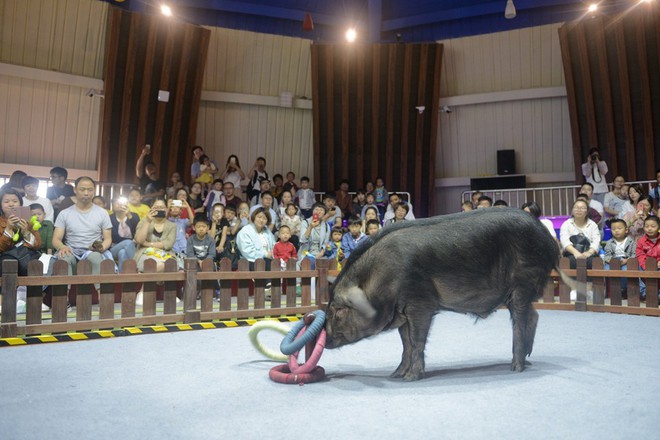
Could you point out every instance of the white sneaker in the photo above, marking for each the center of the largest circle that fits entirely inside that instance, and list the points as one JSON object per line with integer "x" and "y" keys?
{"x": 573, "y": 295}
{"x": 139, "y": 299}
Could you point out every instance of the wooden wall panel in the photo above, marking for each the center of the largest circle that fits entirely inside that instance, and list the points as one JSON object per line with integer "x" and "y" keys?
{"x": 145, "y": 54}
{"x": 399, "y": 143}
{"x": 612, "y": 71}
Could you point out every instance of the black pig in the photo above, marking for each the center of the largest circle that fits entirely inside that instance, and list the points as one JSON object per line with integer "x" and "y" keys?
{"x": 470, "y": 263}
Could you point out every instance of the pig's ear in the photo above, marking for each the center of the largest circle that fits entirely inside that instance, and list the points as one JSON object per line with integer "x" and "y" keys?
{"x": 358, "y": 300}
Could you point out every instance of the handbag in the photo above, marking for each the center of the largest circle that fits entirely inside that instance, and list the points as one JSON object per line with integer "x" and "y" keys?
{"x": 580, "y": 242}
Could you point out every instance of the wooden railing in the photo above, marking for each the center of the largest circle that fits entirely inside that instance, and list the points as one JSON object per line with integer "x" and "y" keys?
{"x": 116, "y": 293}
{"x": 110, "y": 288}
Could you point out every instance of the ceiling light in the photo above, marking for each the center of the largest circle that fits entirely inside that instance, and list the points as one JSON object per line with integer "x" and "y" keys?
{"x": 351, "y": 35}
{"x": 166, "y": 10}
{"x": 593, "y": 7}
{"x": 510, "y": 10}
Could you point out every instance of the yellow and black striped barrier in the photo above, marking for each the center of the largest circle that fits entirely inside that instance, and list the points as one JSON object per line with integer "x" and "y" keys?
{"x": 130, "y": 331}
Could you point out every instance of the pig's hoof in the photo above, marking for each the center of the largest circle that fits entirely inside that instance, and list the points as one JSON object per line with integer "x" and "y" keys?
{"x": 399, "y": 372}
{"x": 518, "y": 366}
{"x": 411, "y": 376}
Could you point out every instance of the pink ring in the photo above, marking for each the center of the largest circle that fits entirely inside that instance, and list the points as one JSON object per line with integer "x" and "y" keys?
{"x": 310, "y": 364}
{"x": 282, "y": 374}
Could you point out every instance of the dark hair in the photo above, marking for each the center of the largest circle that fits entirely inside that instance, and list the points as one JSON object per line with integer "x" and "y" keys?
{"x": 202, "y": 158}
{"x": 195, "y": 148}
{"x": 394, "y": 194}
{"x": 59, "y": 171}
{"x": 237, "y": 163}
{"x": 533, "y": 207}
{"x": 337, "y": 228}
{"x": 231, "y": 208}
{"x": 360, "y": 191}
{"x": 304, "y": 179}
{"x": 372, "y": 208}
{"x": 346, "y": 181}
{"x": 29, "y": 180}
{"x": 370, "y": 194}
{"x": 653, "y": 218}
{"x": 482, "y": 198}
{"x": 157, "y": 199}
{"x": 218, "y": 180}
{"x": 228, "y": 182}
{"x": 401, "y": 205}
{"x": 320, "y": 205}
{"x": 12, "y": 192}
{"x": 587, "y": 183}
{"x": 617, "y": 220}
{"x": 262, "y": 158}
{"x": 647, "y": 198}
{"x": 102, "y": 199}
{"x": 291, "y": 204}
{"x": 582, "y": 196}
{"x": 266, "y": 193}
{"x": 330, "y": 196}
{"x": 638, "y": 188}
{"x": 81, "y": 178}
{"x": 261, "y": 211}
{"x": 218, "y": 204}
{"x": 285, "y": 226}
{"x": 278, "y": 176}
{"x": 373, "y": 221}
{"x": 16, "y": 178}
{"x": 500, "y": 203}
{"x": 354, "y": 220}
{"x": 200, "y": 217}
{"x": 37, "y": 206}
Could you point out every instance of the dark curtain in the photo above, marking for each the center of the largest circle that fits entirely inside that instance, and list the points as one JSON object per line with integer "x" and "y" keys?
{"x": 145, "y": 54}
{"x": 612, "y": 70}
{"x": 366, "y": 121}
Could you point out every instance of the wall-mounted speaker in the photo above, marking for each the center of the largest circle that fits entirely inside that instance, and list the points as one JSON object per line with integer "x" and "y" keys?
{"x": 506, "y": 162}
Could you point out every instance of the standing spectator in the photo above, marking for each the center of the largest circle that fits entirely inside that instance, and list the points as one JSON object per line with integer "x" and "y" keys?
{"x": 615, "y": 199}
{"x": 292, "y": 220}
{"x": 231, "y": 199}
{"x": 60, "y": 190}
{"x": 30, "y": 187}
{"x": 124, "y": 223}
{"x": 344, "y": 200}
{"x": 305, "y": 197}
{"x": 256, "y": 174}
{"x": 147, "y": 173}
{"x": 216, "y": 195}
{"x": 219, "y": 228}
{"x": 381, "y": 194}
{"x": 594, "y": 170}
{"x": 290, "y": 184}
{"x": 46, "y": 230}
{"x": 195, "y": 171}
{"x": 255, "y": 240}
{"x": 174, "y": 215}
{"x": 176, "y": 183}
{"x": 234, "y": 174}
{"x": 579, "y": 236}
{"x": 84, "y": 230}
{"x": 395, "y": 199}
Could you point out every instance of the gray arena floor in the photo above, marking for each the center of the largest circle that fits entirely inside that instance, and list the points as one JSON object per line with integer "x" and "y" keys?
{"x": 593, "y": 376}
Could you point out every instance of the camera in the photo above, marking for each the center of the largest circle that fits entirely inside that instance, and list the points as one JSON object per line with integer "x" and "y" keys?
{"x": 159, "y": 214}
{"x": 594, "y": 156}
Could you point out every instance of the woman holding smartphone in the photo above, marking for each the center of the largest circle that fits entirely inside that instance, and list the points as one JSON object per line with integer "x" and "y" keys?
{"x": 234, "y": 174}
{"x": 18, "y": 239}
{"x": 155, "y": 237}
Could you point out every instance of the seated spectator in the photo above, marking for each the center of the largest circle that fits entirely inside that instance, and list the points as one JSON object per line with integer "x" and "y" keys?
{"x": 59, "y": 190}
{"x": 155, "y": 237}
{"x": 466, "y": 206}
{"x": 196, "y": 198}
{"x": 255, "y": 240}
{"x": 394, "y": 201}
{"x": 100, "y": 202}
{"x": 579, "y": 236}
{"x": 500, "y": 204}
{"x": 615, "y": 199}
{"x": 293, "y": 221}
{"x": 46, "y": 230}
{"x": 484, "y": 202}
{"x": 535, "y": 210}
{"x": 278, "y": 187}
{"x": 371, "y": 213}
{"x": 265, "y": 188}
{"x": 333, "y": 214}
{"x": 354, "y": 237}
{"x": 400, "y": 212}
{"x": 135, "y": 204}
{"x": 18, "y": 238}
{"x": 83, "y": 231}
{"x": 635, "y": 194}
{"x": 243, "y": 214}
{"x": 648, "y": 246}
{"x": 371, "y": 203}
{"x": 200, "y": 244}
{"x": 30, "y": 188}
{"x": 381, "y": 196}
{"x": 655, "y": 192}
{"x": 266, "y": 204}
{"x": 290, "y": 184}
{"x": 181, "y": 201}
{"x": 315, "y": 234}
{"x": 175, "y": 184}
{"x": 233, "y": 174}
{"x": 214, "y": 196}
{"x": 587, "y": 189}
{"x": 592, "y": 213}
{"x": 286, "y": 198}
{"x": 231, "y": 197}
{"x": 359, "y": 201}
{"x": 343, "y": 199}
{"x": 372, "y": 227}
{"x": 619, "y": 247}
{"x": 475, "y": 198}
{"x": 15, "y": 182}
{"x": 636, "y": 220}
{"x": 124, "y": 224}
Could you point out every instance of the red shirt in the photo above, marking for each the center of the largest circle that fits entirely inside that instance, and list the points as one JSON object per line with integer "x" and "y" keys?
{"x": 284, "y": 251}
{"x": 647, "y": 248}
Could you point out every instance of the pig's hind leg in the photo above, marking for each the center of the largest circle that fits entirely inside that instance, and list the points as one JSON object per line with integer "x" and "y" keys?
{"x": 523, "y": 320}
{"x": 414, "y": 333}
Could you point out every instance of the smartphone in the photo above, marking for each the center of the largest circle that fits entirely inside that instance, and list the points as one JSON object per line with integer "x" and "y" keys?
{"x": 159, "y": 214}
{"x": 148, "y": 148}
{"x": 122, "y": 200}
{"x": 178, "y": 203}
{"x": 232, "y": 160}
{"x": 23, "y": 212}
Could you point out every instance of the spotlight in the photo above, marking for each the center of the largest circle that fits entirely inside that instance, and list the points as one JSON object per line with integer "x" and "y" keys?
{"x": 351, "y": 35}
{"x": 593, "y": 7}
{"x": 166, "y": 10}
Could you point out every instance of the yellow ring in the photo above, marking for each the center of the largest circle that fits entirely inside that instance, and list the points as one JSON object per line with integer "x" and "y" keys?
{"x": 273, "y": 325}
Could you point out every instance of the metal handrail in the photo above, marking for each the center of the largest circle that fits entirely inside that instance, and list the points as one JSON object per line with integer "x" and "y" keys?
{"x": 553, "y": 200}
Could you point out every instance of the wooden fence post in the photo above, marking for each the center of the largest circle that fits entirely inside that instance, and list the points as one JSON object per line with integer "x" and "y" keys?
{"x": 633, "y": 284}
{"x": 652, "y": 284}
{"x": 564, "y": 290}
{"x": 84, "y": 292}
{"x": 171, "y": 289}
{"x": 9, "y": 279}
{"x": 259, "y": 285}
{"x": 148, "y": 290}
{"x": 208, "y": 286}
{"x": 60, "y": 294}
{"x": 34, "y": 294}
{"x": 614, "y": 284}
{"x": 598, "y": 283}
{"x": 580, "y": 302}
{"x": 107, "y": 293}
{"x": 322, "y": 285}
{"x": 225, "y": 286}
{"x": 190, "y": 312}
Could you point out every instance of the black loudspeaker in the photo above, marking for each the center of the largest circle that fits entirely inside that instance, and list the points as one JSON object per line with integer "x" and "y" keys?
{"x": 506, "y": 162}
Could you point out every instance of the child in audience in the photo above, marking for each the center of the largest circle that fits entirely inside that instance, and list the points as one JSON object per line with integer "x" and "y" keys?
{"x": 359, "y": 201}
{"x": 243, "y": 214}
{"x": 305, "y": 197}
{"x": 333, "y": 214}
{"x": 648, "y": 246}
{"x": 47, "y": 228}
{"x": 207, "y": 170}
{"x": 215, "y": 195}
{"x": 292, "y": 220}
{"x": 31, "y": 186}
{"x": 135, "y": 204}
{"x": 290, "y": 184}
{"x": 226, "y": 247}
{"x": 354, "y": 237}
{"x": 333, "y": 249}
{"x": 381, "y": 196}
{"x": 371, "y": 203}
{"x": 278, "y": 187}
{"x": 200, "y": 245}
{"x": 466, "y": 206}
{"x": 620, "y": 247}
{"x": 372, "y": 227}
{"x": 219, "y": 227}
{"x": 371, "y": 213}
{"x": 284, "y": 249}
{"x": 100, "y": 202}
{"x": 180, "y": 242}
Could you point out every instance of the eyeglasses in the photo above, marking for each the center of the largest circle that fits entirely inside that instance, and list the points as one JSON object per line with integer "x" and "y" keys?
{"x": 580, "y": 208}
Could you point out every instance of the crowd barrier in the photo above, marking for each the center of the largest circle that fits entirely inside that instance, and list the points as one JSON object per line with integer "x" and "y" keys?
{"x": 160, "y": 294}
{"x": 597, "y": 290}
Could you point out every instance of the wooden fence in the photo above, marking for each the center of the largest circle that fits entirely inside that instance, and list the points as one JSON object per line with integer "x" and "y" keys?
{"x": 250, "y": 293}
{"x": 248, "y": 286}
